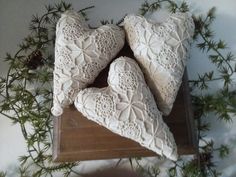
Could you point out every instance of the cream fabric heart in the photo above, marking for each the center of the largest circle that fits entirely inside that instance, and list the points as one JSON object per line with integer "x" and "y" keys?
{"x": 80, "y": 54}
{"x": 127, "y": 107}
{"x": 161, "y": 50}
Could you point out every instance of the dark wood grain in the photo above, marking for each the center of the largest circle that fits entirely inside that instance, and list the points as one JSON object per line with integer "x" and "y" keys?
{"x": 77, "y": 138}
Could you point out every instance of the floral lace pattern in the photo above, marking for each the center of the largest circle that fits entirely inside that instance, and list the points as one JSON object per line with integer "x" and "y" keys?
{"x": 80, "y": 54}
{"x": 63, "y": 56}
{"x": 128, "y": 81}
{"x": 89, "y": 70}
{"x": 161, "y": 50}
{"x": 130, "y": 110}
{"x": 72, "y": 31}
{"x": 107, "y": 38}
{"x": 150, "y": 108}
{"x": 104, "y": 106}
{"x": 130, "y": 129}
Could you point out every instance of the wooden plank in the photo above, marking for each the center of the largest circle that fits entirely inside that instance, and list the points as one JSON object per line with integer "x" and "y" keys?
{"x": 77, "y": 138}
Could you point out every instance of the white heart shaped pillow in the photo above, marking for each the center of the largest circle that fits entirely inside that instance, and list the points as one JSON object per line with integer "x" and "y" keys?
{"x": 127, "y": 107}
{"x": 80, "y": 54}
{"x": 161, "y": 50}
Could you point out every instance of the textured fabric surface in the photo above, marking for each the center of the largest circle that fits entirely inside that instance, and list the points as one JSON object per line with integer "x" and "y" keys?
{"x": 161, "y": 50}
{"x": 80, "y": 54}
{"x": 127, "y": 107}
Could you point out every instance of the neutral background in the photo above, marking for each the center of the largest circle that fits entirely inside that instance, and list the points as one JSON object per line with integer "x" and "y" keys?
{"x": 14, "y": 19}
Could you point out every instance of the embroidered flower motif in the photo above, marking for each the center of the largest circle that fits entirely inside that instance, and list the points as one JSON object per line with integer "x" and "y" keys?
{"x": 63, "y": 55}
{"x": 148, "y": 45}
{"x": 151, "y": 109}
{"x": 131, "y": 107}
{"x": 63, "y": 80}
{"x": 130, "y": 129}
{"x": 128, "y": 81}
{"x": 105, "y": 106}
{"x": 168, "y": 59}
{"x": 72, "y": 31}
{"x": 106, "y": 42}
{"x": 161, "y": 32}
{"x": 170, "y": 26}
{"x": 90, "y": 70}
{"x": 84, "y": 51}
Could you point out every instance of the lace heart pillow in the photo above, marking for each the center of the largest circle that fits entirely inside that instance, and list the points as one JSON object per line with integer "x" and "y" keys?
{"x": 161, "y": 50}
{"x": 80, "y": 54}
{"x": 127, "y": 107}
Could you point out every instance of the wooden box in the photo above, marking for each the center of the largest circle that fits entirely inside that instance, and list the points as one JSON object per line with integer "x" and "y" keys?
{"x": 77, "y": 138}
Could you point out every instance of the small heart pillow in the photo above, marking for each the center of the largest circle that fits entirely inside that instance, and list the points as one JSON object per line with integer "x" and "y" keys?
{"x": 161, "y": 50}
{"x": 127, "y": 107}
{"x": 80, "y": 54}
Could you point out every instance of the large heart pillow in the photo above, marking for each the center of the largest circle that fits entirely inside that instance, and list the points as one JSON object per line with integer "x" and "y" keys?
{"x": 127, "y": 107}
{"x": 80, "y": 54}
{"x": 161, "y": 50}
